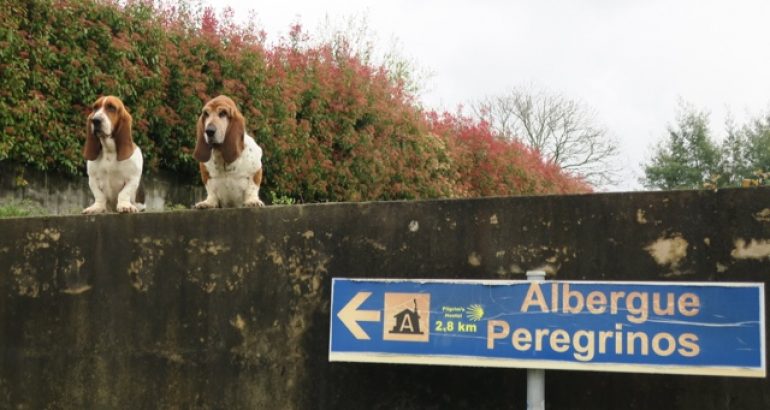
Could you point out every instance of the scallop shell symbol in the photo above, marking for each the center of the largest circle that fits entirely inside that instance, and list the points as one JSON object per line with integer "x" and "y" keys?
{"x": 474, "y": 313}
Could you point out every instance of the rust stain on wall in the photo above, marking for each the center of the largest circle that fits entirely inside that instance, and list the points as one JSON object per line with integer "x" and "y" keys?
{"x": 41, "y": 240}
{"x": 668, "y": 251}
{"x": 77, "y": 290}
{"x": 148, "y": 251}
{"x": 640, "y": 217}
{"x": 375, "y": 244}
{"x": 754, "y": 249}
{"x": 47, "y": 263}
{"x": 763, "y": 215}
{"x": 474, "y": 259}
{"x": 207, "y": 247}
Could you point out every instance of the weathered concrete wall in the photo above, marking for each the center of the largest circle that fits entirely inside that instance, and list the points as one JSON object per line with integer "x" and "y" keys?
{"x": 61, "y": 195}
{"x": 230, "y": 308}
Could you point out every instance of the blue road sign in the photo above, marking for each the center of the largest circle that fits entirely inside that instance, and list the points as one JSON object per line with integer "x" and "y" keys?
{"x": 646, "y": 327}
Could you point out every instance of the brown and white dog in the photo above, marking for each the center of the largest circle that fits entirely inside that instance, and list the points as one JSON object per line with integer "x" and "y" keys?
{"x": 230, "y": 160}
{"x": 113, "y": 161}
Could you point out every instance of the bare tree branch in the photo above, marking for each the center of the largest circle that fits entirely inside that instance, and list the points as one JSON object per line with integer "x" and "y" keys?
{"x": 565, "y": 131}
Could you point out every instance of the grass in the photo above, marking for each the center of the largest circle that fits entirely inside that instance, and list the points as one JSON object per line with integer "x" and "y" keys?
{"x": 281, "y": 200}
{"x": 20, "y": 208}
{"x": 170, "y": 206}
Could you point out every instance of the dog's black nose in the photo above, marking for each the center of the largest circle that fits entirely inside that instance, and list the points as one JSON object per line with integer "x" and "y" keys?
{"x": 96, "y": 121}
{"x": 210, "y": 131}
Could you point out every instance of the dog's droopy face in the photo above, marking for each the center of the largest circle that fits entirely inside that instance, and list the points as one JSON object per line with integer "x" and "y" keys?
{"x": 106, "y": 115}
{"x": 109, "y": 118}
{"x": 215, "y": 117}
{"x": 220, "y": 126}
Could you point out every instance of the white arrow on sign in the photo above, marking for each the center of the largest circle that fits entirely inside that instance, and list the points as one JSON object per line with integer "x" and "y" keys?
{"x": 350, "y": 315}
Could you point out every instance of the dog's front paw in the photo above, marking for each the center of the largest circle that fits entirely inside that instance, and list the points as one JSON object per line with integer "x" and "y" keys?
{"x": 94, "y": 209}
{"x": 205, "y": 205}
{"x": 127, "y": 208}
{"x": 254, "y": 202}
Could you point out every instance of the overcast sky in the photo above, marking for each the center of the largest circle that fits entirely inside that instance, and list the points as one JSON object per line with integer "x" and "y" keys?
{"x": 629, "y": 60}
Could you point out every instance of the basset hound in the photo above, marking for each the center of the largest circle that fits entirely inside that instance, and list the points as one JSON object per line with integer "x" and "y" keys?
{"x": 230, "y": 160}
{"x": 113, "y": 161}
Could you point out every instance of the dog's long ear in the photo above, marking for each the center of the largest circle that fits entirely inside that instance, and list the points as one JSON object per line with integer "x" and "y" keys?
{"x": 236, "y": 129}
{"x": 202, "y": 150}
{"x": 124, "y": 143}
{"x": 93, "y": 147}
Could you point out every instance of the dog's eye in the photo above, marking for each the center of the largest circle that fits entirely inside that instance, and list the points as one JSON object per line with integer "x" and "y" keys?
{"x": 222, "y": 114}
{"x": 111, "y": 108}
{"x": 205, "y": 114}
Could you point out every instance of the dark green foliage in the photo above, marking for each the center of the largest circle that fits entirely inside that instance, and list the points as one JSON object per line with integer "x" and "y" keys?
{"x": 690, "y": 158}
{"x": 687, "y": 157}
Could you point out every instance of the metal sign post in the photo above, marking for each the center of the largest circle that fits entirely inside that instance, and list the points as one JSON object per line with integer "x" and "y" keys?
{"x": 536, "y": 377}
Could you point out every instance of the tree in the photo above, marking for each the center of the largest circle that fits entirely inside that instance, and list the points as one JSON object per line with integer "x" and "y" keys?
{"x": 757, "y": 136}
{"x": 563, "y": 130}
{"x": 688, "y": 157}
{"x": 735, "y": 164}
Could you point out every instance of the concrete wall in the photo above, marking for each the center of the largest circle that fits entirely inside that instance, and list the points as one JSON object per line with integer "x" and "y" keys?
{"x": 230, "y": 308}
{"x": 61, "y": 195}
